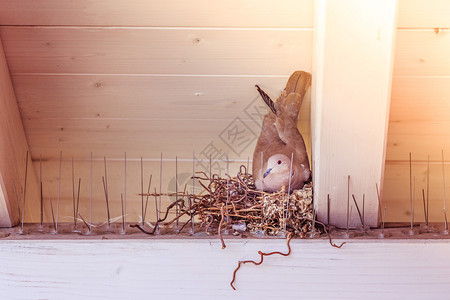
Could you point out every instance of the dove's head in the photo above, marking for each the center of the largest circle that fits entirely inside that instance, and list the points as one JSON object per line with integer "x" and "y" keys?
{"x": 278, "y": 165}
{"x": 278, "y": 171}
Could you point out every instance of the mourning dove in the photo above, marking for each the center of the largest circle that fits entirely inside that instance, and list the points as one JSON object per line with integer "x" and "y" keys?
{"x": 280, "y": 140}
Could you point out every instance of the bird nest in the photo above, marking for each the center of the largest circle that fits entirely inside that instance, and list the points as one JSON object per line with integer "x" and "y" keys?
{"x": 233, "y": 205}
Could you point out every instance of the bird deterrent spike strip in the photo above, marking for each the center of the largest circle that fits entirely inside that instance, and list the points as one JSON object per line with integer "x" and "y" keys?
{"x": 260, "y": 215}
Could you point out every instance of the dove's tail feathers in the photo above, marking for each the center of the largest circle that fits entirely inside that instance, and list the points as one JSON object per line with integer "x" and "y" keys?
{"x": 298, "y": 82}
{"x": 266, "y": 99}
{"x": 292, "y": 96}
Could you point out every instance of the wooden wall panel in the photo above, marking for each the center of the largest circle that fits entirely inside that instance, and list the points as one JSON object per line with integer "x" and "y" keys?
{"x": 143, "y": 97}
{"x": 422, "y": 53}
{"x": 234, "y": 13}
{"x": 137, "y": 137}
{"x": 424, "y": 14}
{"x": 13, "y": 149}
{"x": 420, "y": 99}
{"x": 156, "y": 51}
{"x": 420, "y": 106}
{"x": 141, "y": 137}
{"x": 421, "y": 138}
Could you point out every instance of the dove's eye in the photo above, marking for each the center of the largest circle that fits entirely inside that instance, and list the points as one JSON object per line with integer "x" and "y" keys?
{"x": 279, "y": 162}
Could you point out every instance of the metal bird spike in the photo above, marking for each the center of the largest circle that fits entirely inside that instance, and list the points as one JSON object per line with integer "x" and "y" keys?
{"x": 125, "y": 195}
{"x": 105, "y": 188}
{"x": 73, "y": 196}
{"x": 40, "y": 185}
{"x": 176, "y": 186}
{"x": 78, "y": 200}
{"x": 107, "y": 202}
{"x": 379, "y": 203}
{"x": 289, "y": 193}
{"x": 90, "y": 200}
{"x": 17, "y": 199}
{"x": 443, "y": 186}
{"x": 59, "y": 192}
{"x": 266, "y": 99}
{"x": 123, "y": 213}
{"x": 425, "y": 212}
{"x": 261, "y": 171}
{"x": 411, "y": 230}
{"x": 24, "y": 192}
{"x": 328, "y": 211}
{"x": 410, "y": 190}
{"x": 364, "y": 213}
{"x": 157, "y": 214}
{"x": 359, "y": 212}
{"x": 384, "y": 221}
{"x": 160, "y": 186}
{"x": 193, "y": 192}
{"x": 146, "y": 200}
{"x": 53, "y": 215}
{"x": 428, "y": 186}
{"x": 348, "y": 202}
{"x": 142, "y": 192}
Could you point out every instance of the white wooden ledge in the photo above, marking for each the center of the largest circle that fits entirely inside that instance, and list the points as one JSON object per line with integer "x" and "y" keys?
{"x": 200, "y": 269}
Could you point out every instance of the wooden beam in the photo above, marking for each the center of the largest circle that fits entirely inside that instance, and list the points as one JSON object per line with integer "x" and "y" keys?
{"x": 13, "y": 148}
{"x": 352, "y": 69}
{"x": 176, "y": 269}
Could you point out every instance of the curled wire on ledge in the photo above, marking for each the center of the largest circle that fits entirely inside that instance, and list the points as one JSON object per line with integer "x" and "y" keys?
{"x": 262, "y": 254}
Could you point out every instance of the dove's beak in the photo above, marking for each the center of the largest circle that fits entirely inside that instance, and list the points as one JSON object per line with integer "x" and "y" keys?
{"x": 267, "y": 172}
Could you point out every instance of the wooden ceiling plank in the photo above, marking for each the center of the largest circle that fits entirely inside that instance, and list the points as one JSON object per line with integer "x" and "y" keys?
{"x": 156, "y": 51}
{"x": 424, "y": 14}
{"x": 232, "y": 13}
{"x": 422, "y": 53}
